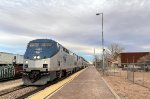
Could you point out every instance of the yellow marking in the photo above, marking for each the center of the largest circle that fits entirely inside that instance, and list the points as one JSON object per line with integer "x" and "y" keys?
{"x": 47, "y": 92}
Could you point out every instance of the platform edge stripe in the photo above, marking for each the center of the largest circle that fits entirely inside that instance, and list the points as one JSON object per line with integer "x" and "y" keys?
{"x": 63, "y": 85}
{"x": 47, "y": 97}
{"x": 53, "y": 88}
{"x": 115, "y": 94}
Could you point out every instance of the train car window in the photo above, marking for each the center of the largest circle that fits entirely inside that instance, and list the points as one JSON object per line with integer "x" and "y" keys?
{"x": 77, "y": 58}
{"x": 67, "y": 51}
{"x": 40, "y": 44}
{"x": 75, "y": 63}
{"x": 14, "y": 57}
{"x": 65, "y": 58}
{"x": 34, "y": 44}
{"x": 64, "y": 49}
{"x": 45, "y": 44}
{"x": 58, "y": 63}
{"x": 58, "y": 45}
{"x": 71, "y": 53}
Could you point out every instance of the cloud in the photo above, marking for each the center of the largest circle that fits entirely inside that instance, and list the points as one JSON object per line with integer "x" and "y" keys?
{"x": 77, "y": 47}
{"x": 74, "y": 23}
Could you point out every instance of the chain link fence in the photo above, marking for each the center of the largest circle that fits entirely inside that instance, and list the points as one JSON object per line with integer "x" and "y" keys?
{"x": 138, "y": 73}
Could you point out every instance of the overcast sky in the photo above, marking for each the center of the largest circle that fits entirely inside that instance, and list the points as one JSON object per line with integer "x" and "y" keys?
{"x": 73, "y": 24}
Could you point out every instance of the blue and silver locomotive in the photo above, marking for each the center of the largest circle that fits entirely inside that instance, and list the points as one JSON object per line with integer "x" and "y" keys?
{"x": 46, "y": 59}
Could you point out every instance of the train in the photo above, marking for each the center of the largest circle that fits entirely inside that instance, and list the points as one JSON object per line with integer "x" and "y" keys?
{"x": 11, "y": 66}
{"x": 46, "y": 60}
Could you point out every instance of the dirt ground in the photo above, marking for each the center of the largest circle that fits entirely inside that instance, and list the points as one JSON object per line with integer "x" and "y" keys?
{"x": 142, "y": 78}
{"x": 126, "y": 89}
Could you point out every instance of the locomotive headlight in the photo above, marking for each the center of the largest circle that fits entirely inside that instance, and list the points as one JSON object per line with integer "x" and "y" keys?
{"x": 34, "y": 57}
{"x": 45, "y": 61}
{"x": 26, "y": 62}
{"x": 38, "y": 57}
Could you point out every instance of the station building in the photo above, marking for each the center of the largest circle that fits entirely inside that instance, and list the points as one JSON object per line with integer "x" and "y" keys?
{"x": 123, "y": 59}
{"x": 130, "y": 57}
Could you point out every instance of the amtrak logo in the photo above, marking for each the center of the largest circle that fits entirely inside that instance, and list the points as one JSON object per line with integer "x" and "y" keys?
{"x": 38, "y": 50}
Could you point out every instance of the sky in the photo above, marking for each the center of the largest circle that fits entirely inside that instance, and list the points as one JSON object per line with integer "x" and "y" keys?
{"x": 74, "y": 24}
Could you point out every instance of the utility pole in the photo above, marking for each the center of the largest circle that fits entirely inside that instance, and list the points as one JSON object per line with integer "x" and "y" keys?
{"x": 95, "y": 57}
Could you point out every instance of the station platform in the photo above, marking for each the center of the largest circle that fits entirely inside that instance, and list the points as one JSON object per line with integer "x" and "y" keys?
{"x": 10, "y": 84}
{"x": 87, "y": 85}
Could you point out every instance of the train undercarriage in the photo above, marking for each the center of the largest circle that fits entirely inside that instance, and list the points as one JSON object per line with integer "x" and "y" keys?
{"x": 41, "y": 78}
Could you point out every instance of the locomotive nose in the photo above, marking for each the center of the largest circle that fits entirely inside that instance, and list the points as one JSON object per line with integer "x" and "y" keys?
{"x": 34, "y": 75}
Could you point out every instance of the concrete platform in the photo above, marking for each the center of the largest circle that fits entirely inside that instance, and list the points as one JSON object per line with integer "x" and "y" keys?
{"x": 10, "y": 84}
{"x": 87, "y": 85}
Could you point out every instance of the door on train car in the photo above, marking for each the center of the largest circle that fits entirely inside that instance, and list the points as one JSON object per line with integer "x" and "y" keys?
{"x": 18, "y": 70}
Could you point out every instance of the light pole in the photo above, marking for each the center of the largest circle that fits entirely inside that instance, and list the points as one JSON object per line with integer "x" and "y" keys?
{"x": 95, "y": 57}
{"x": 103, "y": 67}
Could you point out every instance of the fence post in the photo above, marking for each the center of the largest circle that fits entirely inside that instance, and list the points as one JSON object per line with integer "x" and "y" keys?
{"x": 114, "y": 69}
{"x": 127, "y": 70}
{"x": 143, "y": 74}
{"x": 133, "y": 72}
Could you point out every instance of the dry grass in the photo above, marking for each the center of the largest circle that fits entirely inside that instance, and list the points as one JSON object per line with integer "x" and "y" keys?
{"x": 127, "y": 89}
{"x": 142, "y": 78}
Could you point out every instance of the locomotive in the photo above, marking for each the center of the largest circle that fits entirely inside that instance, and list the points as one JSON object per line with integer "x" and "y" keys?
{"x": 46, "y": 59}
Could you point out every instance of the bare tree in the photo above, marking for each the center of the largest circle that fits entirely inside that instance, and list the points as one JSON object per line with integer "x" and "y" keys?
{"x": 110, "y": 53}
{"x": 113, "y": 51}
{"x": 144, "y": 59}
{"x": 96, "y": 59}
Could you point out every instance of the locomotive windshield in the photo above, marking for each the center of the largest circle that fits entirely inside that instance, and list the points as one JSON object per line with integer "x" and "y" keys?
{"x": 40, "y": 44}
{"x": 43, "y": 48}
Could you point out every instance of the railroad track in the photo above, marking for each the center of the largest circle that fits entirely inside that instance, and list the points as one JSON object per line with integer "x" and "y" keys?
{"x": 21, "y": 92}
{"x": 7, "y": 91}
{"x": 17, "y": 92}
{"x": 41, "y": 88}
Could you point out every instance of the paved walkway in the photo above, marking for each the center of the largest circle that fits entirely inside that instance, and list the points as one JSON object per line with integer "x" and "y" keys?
{"x": 88, "y": 85}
